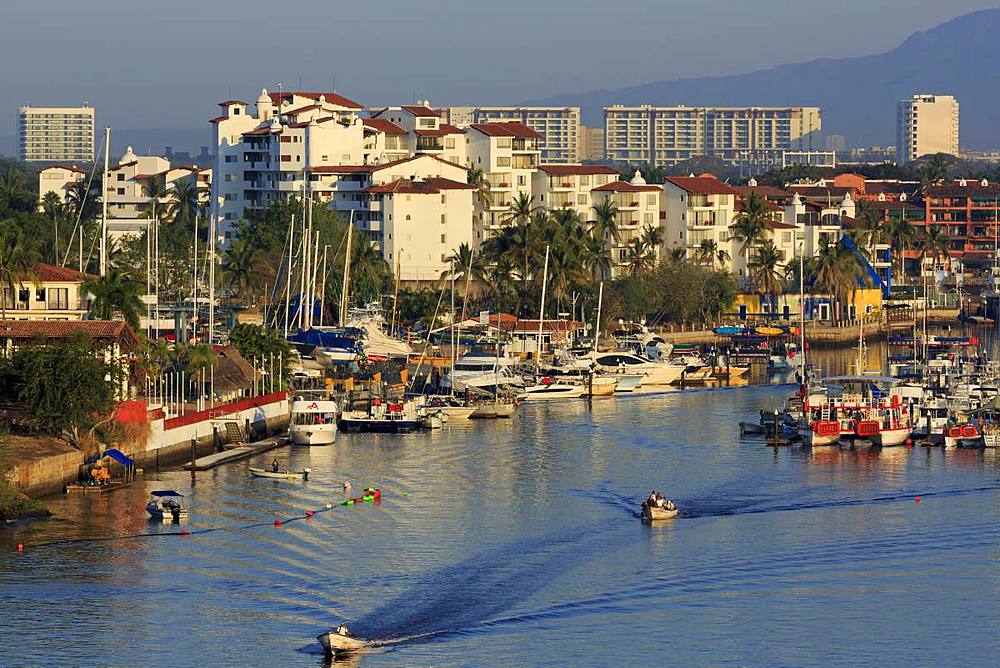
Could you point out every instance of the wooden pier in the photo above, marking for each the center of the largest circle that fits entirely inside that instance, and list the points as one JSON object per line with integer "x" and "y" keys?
{"x": 235, "y": 453}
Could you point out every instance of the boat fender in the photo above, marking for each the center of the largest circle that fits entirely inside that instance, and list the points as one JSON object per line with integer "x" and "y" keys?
{"x": 547, "y": 380}
{"x": 329, "y": 506}
{"x": 277, "y": 523}
{"x": 969, "y": 431}
{"x": 955, "y": 432}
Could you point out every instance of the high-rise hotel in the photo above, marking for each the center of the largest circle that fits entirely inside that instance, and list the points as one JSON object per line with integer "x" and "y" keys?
{"x": 738, "y": 135}
{"x": 926, "y": 124}
{"x": 55, "y": 134}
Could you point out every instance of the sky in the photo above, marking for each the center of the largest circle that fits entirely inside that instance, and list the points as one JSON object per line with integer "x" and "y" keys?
{"x": 167, "y": 64}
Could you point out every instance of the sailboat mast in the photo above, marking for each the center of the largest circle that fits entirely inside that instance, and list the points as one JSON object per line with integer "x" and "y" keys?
{"x": 211, "y": 280}
{"x": 541, "y": 315}
{"x": 104, "y": 202}
{"x": 194, "y": 284}
{"x": 802, "y": 309}
{"x": 288, "y": 274}
{"x": 347, "y": 272}
{"x": 452, "y": 372}
{"x": 597, "y": 322}
{"x": 322, "y": 290}
{"x": 395, "y": 298}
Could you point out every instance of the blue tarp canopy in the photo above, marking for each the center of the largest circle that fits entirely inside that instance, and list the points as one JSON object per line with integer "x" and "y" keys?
{"x": 165, "y": 492}
{"x": 346, "y": 338}
{"x": 119, "y": 457}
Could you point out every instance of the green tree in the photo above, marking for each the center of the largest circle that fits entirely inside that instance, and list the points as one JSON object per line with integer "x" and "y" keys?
{"x": 18, "y": 256}
{"x": 764, "y": 273}
{"x": 481, "y": 194}
{"x": 255, "y": 341}
{"x": 182, "y": 203}
{"x": 115, "y": 293}
{"x": 709, "y": 253}
{"x": 245, "y": 269}
{"x": 66, "y": 385}
{"x": 750, "y": 225}
{"x": 605, "y": 223}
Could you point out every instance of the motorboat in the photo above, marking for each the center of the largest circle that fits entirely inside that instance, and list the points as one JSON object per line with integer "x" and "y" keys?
{"x": 964, "y": 436}
{"x": 494, "y": 411}
{"x": 550, "y": 390}
{"x": 370, "y": 320}
{"x": 313, "y": 421}
{"x": 166, "y": 507}
{"x": 654, "y": 514}
{"x": 340, "y": 641}
{"x": 383, "y": 417}
{"x": 337, "y": 344}
{"x": 283, "y": 474}
{"x": 653, "y": 373}
{"x": 627, "y": 383}
{"x": 485, "y": 371}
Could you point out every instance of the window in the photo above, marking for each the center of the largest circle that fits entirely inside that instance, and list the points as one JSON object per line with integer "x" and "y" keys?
{"x": 449, "y": 142}
{"x": 324, "y": 158}
{"x": 522, "y": 180}
{"x": 236, "y": 111}
{"x": 581, "y": 200}
{"x": 444, "y": 198}
{"x": 504, "y": 142}
{"x": 650, "y": 200}
{"x": 444, "y": 219}
{"x": 121, "y": 191}
{"x": 40, "y": 295}
{"x": 503, "y": 162}
{"x": 58, "y": 299}
{"x": 229, "y": 177}
{"x": 121, "y": 177}
{"x": 407, "y": 216}
{"x": 585, "y": 179}
{"x": 232, "y": 158}
{"x": 442, "y": 238}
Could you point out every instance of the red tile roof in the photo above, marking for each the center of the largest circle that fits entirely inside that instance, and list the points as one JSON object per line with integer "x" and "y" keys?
{"x": 702, "y": 185}
{"x": 769, "y": 192}
{"x": 50, "y": 272}
{"x": 531, "y": 326}
{"x": 257, "y": 132}
{"x": 332, "y": 98}
{"x": 625, "y": 187}
{"x": 421, "y": 110}
{"x": 428, "y": 186}
{"x": 444, "y": 129}
{"x": 229, "y": 102}
{"x": 506, "y": 129}
{"x": 219, "y": 119}
{"x": 352, "y": 169}
{"x": 341, "y": 169}
{"x": 70, "y": 168}
{"x": 382, "y": 125}
{"x": 301, "y": 110}
{"x": 576, "y": 170}
{"x": 64, "y": 329}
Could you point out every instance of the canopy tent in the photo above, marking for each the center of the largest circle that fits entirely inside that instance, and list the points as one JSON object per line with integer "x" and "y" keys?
{"x": 119, "y": 457}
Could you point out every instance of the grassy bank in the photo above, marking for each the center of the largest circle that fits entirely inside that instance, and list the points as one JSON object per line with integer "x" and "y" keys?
{"x": 16, "y": 506}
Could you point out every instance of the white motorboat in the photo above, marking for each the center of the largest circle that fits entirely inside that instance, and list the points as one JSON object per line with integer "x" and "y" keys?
{"x": 485, "y": 371}
{"x": 628, "y": 383}
{"x": 281, "y": 474}
{"x": 166, "y": 507}
{"x": 313, "y": 421}
{"x": 653, "y": 373}
{"x": 550, "y": 391}
{"x": 653, "y": 513}
{"x": 340, "y": 641}
{"x": 376, "y": 343}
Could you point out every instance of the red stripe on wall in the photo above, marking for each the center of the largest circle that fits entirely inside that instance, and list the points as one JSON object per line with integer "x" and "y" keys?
{"x": 220, "y": 411}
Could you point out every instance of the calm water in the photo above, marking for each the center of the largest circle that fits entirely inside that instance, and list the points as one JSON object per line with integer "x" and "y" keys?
{"x": 517, "y": 543}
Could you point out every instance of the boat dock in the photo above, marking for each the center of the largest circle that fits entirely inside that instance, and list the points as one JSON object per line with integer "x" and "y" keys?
{"x": 242, "y": 451}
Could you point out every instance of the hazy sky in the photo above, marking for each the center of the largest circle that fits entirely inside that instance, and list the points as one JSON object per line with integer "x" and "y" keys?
{"x": 165, "y": 64}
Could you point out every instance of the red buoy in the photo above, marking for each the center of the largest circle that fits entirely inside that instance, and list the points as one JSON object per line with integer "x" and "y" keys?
{"x": 277, "y": 523}
{"x": 185, "y": 532}
{"x": 309, "y": 513}
{"x": 20, "y": 547}
{"x": 916, "y": 500}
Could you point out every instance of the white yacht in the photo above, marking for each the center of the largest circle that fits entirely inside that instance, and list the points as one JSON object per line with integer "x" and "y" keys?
{"x": 550, "y": 390}
{"x": 486, "y": 371}
{"x": 376, "y": 343}
{"x": 653, "y": 373}
{"x": 313, "y": 421}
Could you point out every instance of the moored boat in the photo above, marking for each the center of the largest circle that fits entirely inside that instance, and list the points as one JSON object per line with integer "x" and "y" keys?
{"x": 654, "y": 514}
{"x": 550, "y": 391}
{"x": 313, "y": 422}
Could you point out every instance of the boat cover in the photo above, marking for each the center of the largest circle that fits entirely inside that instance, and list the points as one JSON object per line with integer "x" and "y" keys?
{"x": 165, "y": 492}
{"x": 119, "y": 456}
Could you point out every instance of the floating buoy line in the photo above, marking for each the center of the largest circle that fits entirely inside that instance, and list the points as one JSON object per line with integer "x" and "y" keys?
{"x": 371, "y": 495}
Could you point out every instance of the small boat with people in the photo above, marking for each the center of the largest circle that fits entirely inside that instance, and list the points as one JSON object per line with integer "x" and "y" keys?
{"x": 165, "y": 506}
{"x": 340, "y": 641}
{"x": 275, "y": 471}
{"x": 656, "y": 507}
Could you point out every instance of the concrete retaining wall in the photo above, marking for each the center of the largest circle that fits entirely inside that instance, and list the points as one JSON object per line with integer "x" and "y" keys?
{"x": 48, "y": 475}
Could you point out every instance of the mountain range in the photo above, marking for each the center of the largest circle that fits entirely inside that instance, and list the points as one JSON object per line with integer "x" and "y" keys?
{"x": 857, "y": 96}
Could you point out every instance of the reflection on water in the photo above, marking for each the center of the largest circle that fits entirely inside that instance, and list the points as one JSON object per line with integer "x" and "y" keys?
{"x": 518, "y": 542}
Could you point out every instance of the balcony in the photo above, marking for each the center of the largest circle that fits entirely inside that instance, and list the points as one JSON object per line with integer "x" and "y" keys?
{"x": 430, "y": 144}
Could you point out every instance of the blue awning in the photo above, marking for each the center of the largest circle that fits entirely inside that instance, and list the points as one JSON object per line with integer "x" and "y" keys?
{"x": 119, "y": 457}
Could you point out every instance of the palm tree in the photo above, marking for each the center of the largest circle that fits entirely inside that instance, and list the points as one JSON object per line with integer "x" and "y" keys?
{"x": 81, "y": 202}
{"x": 935, "y": 168}
{"x": 14, "y": 189}
{"x": 481, "y": 194}
{"x": 521, "y": 209}
{"x": 933, "y": 242}
{"x": 750, "y": 224}
{"x": 155, "y": 189}
{"x": 244, "y": 268}
{"x": 18, "y": 256}
{"x": 459, "y": 262}
{"x": 709, "y": 253}
{"x": 596, "y": 256}
{"x": 901, "y": 235}
{"x": 605, "y": 223}
{"x": 52, "y": 205}
{"x": 115, "y": 293}
{"x": 641, "y": 258}
{"x": 652, "y": 236}
{"x": 182, "y": 202}
{"x": 835, "y": 270}
{"x": 199, "y": 358}
{"x": 764, "y": 269}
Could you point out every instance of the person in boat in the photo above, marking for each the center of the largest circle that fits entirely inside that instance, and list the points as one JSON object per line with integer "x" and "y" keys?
{"x": 275, "y": 466}
{"x": 671, "y": 505}
{"x": 650, "y": 500}
{"x": 342, "y": 630}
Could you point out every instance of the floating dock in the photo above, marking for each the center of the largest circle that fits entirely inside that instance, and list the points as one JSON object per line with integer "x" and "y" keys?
{"x": 236, "y": 453}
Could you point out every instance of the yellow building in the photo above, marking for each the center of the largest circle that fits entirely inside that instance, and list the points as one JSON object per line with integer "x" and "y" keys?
{"x": 755, "y": 307}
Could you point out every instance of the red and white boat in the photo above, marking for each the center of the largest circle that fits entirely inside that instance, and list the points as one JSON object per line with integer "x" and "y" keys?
{"x": 860, "y": 409}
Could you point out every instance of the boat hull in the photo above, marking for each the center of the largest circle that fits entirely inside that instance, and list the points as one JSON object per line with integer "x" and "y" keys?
{"x": 493, "y": 412}
{"x": 891, "y": 437}
{"x": 552, "y": 392}
{"x": 281, "y": 475}
{"x": 313, "y": 434}
{"x": 658, "y": 514}
{"x": 335, "y": 643}
{"x": 375, "y": 426}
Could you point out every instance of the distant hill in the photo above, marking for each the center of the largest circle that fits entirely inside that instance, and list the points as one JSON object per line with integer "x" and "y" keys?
{"x": 858, "y": 95}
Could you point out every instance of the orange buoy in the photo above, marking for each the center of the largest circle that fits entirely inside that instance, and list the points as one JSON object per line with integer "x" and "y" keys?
{"x": 277, "y": 523}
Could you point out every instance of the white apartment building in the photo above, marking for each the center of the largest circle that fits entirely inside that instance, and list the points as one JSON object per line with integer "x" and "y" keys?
{"x": 696, "y": 209}
{"x": 570, "y": 187}
{"x": 559, "y": 127}
{"x": 591, "y": 144}
{"x": 638, "y": 205}
{"x": 755, "y": 137}
{"x": 55, "y": 134}
{"x": 426, "y": 132}
{"x": 59, "y": 179}
{"x": 508, "y": 155}
{"x": 268, "y": 152}
{"x": 926, "y": 124}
